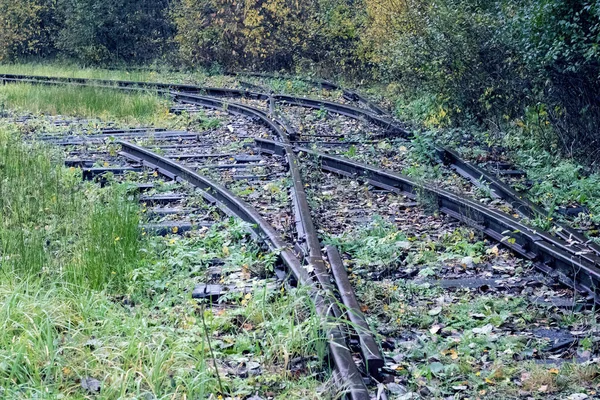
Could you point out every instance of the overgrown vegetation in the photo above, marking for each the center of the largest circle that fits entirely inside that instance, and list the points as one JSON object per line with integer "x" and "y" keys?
{"x": 90, "y": 306}
{"x": 91, "y": 102}
{"x": 461, "y": 342}
{"x": 51, "y": 225}
{"x": 444, "y": 63}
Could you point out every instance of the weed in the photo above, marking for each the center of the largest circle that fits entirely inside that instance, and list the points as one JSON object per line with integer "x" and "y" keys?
{"x": 380, "y": 244}
{"x": 351, "y": 152}
{"x": 53, "y": 224}
{"x": 321, "y": 113}
{"x": 85, "y": 102}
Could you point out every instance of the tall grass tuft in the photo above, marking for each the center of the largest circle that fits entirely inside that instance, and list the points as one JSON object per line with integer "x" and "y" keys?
{"x": 106, "y": 103}
{"x": 67, "y": 70}
{"x": 52, "y": 225}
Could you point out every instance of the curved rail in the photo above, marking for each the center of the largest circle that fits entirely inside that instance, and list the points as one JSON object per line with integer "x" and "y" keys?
{"x": 463, "y": 167}
{"x": 503, "y": 191}
{"x": 391, "y": 126}
{"x": 351, "y": 95}
{"x": 551, "y": 255}
{"x": 308, "y": 234}
{"x": 232, "y": 205}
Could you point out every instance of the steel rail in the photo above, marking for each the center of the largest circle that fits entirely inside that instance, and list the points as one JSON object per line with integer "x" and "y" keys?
{"x": 391, "y": 126}
{"x": 306, "y": 230}
{"x": 233, "y": 206}
{"x": 501, "y": 190}
{"x": 464, "y": 168}
{"x": 308, "y": 233}
{"x": 351, "y": 95}
{"x": 370, "y": 350}
{"x": 550, "y": 255}
{"x": 349, "y": 111}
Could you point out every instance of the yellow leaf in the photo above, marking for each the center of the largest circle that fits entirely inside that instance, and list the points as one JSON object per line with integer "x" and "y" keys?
{"x": 225, "y": 250}
{"x": 452, "y": 353}
{"x": 554, "y": 371}
{"x": 493, "y": 250}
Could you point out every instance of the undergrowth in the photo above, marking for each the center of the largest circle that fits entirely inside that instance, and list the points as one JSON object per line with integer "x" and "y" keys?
{"x": 90, "y": 102}
{"x": 52, "y": 225}
{"x": 91, "y": 307}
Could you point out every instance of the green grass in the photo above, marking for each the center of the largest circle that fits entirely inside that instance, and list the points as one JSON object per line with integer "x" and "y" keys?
{"x": 84, "y": 295}
{"x": 85, "y": 102}
{"x": 156, "y": 75}
{"x": 74, "y": 71}
{"x": 46, "y": 211}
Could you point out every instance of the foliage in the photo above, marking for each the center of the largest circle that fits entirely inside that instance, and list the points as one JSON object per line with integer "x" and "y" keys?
{"x": 379, "y": 244}
{"x": 52, "y": 224}
{"x": 561, "y": 47}
{"x": 271, "y": 34}
{"x": 85, "y": 102}
{"x": 114, "y": 30}
{"x": 445, "y": 62}
{"x": 27, "y": 28}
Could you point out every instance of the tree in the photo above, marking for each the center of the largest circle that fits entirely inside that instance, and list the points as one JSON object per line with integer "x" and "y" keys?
{"x": 115, "y": 30}
{"x": 267, "y": 34}
{"x": 27, "y": 28}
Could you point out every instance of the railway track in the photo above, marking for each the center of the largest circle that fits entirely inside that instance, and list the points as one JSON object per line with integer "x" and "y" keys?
{"x": 277, "y": 146}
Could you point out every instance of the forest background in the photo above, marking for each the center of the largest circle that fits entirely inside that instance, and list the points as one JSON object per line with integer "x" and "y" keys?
{"x": 531, "y": 65}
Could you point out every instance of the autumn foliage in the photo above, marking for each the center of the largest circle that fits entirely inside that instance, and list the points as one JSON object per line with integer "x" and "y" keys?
{"x": 482, "y": 61}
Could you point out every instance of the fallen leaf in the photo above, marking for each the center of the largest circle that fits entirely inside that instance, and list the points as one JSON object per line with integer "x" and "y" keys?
{"x": 247, "y": 326}
{"x": 493, "y": 250}
{"x": 484, "y": 330}
{"x": 577, "y": 396}
{"x": 435, "y": 311}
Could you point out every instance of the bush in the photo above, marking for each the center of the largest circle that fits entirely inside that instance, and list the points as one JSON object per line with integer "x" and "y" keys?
{"x": 453, "y": 50}
{"x": 27, "y": 28}
{"x": 561, "y": 45}
{"x": 113, "y": 31}
{"x": 265, "y": 34}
